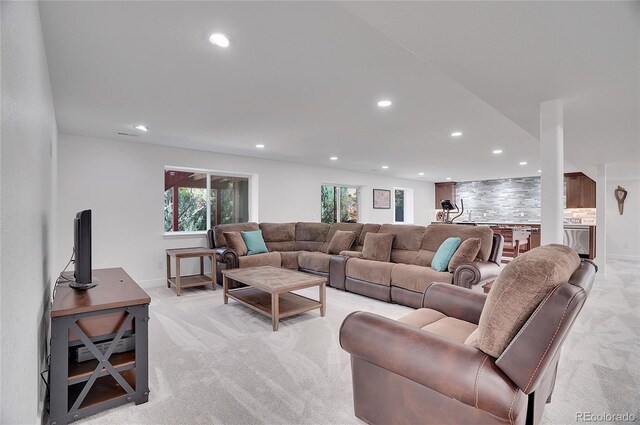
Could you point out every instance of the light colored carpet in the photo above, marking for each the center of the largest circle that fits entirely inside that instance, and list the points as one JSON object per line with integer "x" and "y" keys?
{"x": 221, "y": 364}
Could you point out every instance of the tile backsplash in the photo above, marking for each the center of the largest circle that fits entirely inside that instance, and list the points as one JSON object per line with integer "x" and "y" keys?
{"x": 514, "y": 200}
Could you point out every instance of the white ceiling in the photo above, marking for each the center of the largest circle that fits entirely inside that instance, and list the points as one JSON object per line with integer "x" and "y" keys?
{"x": 304, "y": 78}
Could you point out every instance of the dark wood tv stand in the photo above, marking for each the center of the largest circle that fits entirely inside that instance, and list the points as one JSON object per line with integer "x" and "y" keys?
{"x": 114, "y": 309}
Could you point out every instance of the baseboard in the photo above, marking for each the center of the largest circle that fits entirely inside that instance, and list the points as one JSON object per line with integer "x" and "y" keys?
{"x": 624, "y": 257}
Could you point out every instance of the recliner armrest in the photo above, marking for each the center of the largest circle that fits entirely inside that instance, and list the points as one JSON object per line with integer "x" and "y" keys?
{"x": 452, "y": 369}
{"x": 469, "y": 274}
{"x": 227, "y": 256}
{"x": 454, "y": 301}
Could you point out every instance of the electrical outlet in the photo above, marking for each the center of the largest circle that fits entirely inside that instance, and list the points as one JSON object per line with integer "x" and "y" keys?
{"x": 521, "y": 214}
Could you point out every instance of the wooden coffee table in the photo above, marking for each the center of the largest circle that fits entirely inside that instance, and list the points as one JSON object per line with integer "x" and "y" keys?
{"x": 269, "y": 291}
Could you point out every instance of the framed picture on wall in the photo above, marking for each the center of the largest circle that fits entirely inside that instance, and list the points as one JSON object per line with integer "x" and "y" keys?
{"x": 381, "y": 199}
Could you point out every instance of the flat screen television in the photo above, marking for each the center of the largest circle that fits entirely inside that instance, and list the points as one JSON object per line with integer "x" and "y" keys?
{"x": 82, "y": 251}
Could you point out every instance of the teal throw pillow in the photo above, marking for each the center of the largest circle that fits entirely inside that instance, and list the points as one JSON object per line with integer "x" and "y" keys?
{"x": 255, "y": 242}
{"x": 440, "y": 261}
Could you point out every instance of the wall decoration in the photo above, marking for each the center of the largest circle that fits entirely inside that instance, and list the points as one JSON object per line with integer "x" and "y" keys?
{"x": 621, "y": 194}
{"x": 381, "y": 199}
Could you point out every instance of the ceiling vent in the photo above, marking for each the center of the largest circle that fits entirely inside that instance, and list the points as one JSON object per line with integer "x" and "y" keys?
{"x": 128, "y": 134}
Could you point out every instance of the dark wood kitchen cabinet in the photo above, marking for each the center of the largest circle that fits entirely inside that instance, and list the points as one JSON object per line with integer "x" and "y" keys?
{"x": 446, "y": 190}
{"x": 581, "y": 191}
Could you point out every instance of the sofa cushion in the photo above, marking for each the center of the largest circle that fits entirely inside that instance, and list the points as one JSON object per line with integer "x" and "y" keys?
{"x": 466, "y": 252}
{"x": 370, "y": 271}
{"x": 290, "y": 259}
{"x": 318, "y": 261}
{"x": 235, "y": 242}
{"x": 406, "y": 236}
{"x": 267, "y": 259}
{"x": 437, "y": 323}
{"x": 366, "y": 228}
{"x": 278, "y": 232}
{"x": 417, "y": 278}
{"x": 350, "y": 227}
{"x": 314, "y": 232}
{"x": 308, "y": 246}
{"x": 444, "y": 254}
{"x": 218, "y": 237}
{"x": 377, "y": 246}
{"x": 404, "y": 256}
{"x": 518, "y": 290}
{"x": 356, "y": 254}
{"x": 438, "y": 233}
{"x": 281, "y": 246}
{"x": 424, "y": 257}
{"x": 341, "y": 241}
{"x": 255, "y": 242}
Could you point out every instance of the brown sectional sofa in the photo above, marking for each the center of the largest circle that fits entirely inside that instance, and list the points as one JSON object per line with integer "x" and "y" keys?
{"x": 403, "y": 280}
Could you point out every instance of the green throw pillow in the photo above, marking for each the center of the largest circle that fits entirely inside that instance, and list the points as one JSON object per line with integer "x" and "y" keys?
{"x": 440, "y": 261}
{"x": 254, "y": 241}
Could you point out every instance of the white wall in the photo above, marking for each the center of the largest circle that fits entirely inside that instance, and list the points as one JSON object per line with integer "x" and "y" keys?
{"x": 623, "y": 231}
{"x": 123, "y": 183}
{"x": 26, "y": 212}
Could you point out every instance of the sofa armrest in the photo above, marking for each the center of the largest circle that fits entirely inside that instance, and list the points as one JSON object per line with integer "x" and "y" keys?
{"x": 337, "y": 271}
{"x": 469, "y": 274}
{"x": 227, "y": 256}
{"x": 351, "y": 254}
{"x": 452, "y": 369}
{"x": 454, "y": 301}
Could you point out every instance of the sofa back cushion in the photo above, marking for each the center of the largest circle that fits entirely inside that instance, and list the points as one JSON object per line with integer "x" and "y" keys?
{"x": 517, "y": 292}
{"x": 235, "y": 242}
{"x": 218, "y": 237}
{"x": 311, "y": 236}
{"x": 279, "y": 236}
{"x": 342, "y": 240}
{"x": 377, "y": 246}
{"x": 350, "y": 227}
{"x": 366, "y": 228}
{"x": 406, "y": 242}
{"x": 406, "y": 236}
{"x": 435, "y": 234}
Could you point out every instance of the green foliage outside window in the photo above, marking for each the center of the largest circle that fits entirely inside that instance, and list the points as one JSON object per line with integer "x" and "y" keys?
{"x": 338, "y": 202}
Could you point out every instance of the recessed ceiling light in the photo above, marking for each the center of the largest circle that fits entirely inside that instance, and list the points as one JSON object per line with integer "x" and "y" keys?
{"x": 421, "y": 174}
{"x": 497, "y": 151}
{"x": 456, "y": 134}
{"x": 385, "y": 167}
{"x": 141, "y": 127}
{"x": 448, "y": 178}
{"x": 334, "y": 158}
{"x": 220, "y": 40}
{"x": 523, "y": 162}
{"x": 384, "y": 103}
{"x": 260, "y": 146}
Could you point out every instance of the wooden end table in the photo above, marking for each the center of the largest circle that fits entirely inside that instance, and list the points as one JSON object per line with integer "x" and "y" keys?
{"x": 269, "y": 291}
{"x": 192, "y": 280}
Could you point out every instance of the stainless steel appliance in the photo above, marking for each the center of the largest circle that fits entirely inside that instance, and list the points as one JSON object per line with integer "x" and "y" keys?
{"x": 577, "y": 238}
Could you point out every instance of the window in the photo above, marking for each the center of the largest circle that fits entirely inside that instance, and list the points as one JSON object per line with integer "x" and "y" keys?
{"x": 403, "y": 205}
{"x": 399, "y": 212}
{"x": 339, "y": 204}
{"x": 198, "y": 200}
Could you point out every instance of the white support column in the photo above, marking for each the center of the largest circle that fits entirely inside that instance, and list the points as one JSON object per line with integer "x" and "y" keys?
{"x": 552, "y": 166}
{"x": 601, "y": 219}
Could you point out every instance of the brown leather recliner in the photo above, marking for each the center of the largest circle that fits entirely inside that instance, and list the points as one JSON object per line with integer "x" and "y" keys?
{"x": 448, "y": 363}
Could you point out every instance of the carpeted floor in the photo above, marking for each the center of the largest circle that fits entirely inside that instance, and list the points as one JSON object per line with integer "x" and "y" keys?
{"x": 212, "y": 363}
